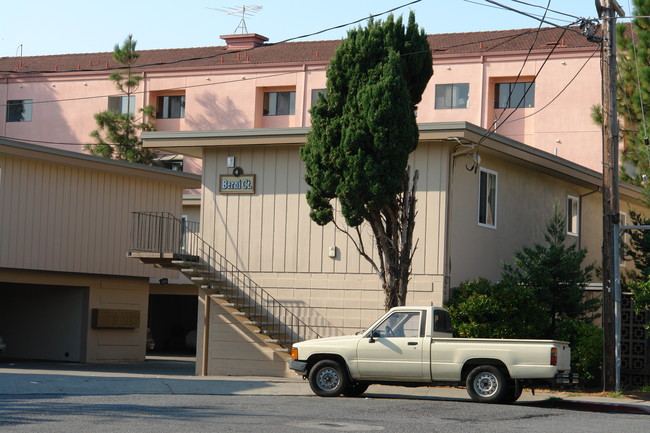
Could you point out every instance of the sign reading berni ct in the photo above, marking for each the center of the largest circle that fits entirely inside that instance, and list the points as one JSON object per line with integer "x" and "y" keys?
{"x": 244, "y": 184}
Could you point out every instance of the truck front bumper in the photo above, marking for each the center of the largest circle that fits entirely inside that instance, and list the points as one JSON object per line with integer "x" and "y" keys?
{"x": 299, "y": 366}
{"x": 566, "y": 378}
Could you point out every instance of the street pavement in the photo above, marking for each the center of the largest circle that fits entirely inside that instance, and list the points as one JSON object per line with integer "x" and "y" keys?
{"x": 175, "y": 375}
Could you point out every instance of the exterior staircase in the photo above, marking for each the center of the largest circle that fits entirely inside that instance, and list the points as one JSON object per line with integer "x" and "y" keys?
{"x": 160, "y": 239}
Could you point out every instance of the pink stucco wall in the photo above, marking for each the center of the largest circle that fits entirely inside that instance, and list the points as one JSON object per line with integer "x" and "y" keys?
{"x": 231, "y": 98}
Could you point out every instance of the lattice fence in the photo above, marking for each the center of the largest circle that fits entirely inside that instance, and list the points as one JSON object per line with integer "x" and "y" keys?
{"x": 635, "y": 346}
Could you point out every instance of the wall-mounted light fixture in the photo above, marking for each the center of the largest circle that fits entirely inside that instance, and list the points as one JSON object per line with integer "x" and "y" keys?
{"x": 230, "y": 161}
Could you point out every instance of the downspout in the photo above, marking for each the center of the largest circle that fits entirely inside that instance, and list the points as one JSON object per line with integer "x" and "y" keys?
{"x": 4, "y": 124}
{"x": 455, "y": 152}
{"x": 303, "y": 120}
{"x": 484, "y": 99}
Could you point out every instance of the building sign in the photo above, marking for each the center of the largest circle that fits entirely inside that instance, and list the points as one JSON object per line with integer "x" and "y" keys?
{"x": 243, "y": 184}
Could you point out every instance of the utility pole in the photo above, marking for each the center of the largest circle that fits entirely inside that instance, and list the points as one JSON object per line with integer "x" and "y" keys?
{"x": 611, "y": 342}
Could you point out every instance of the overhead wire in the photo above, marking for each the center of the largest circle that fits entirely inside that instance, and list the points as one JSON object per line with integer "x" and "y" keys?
{"x": 192, "y": 59}
{"x": 560, "y": 92}
{"x": 491, "y": 132}
{"x": 512, "y": 88}
{"x": 504, "y": 38}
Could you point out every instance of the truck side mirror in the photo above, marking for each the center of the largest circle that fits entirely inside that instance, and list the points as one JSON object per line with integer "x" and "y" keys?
{"x": 374, "y": 334}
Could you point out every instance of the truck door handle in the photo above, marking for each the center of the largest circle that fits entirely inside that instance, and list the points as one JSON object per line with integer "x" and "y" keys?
{"x": 412, "y": 343}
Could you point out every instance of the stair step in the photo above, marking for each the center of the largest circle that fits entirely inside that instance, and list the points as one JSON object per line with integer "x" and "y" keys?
{"x": 283, "y": 349}
{"x": 252, "y": 323}
{"x": 191, "y": 270}
{"x": 239, "y": 313}
{"x": 262, "y": 331}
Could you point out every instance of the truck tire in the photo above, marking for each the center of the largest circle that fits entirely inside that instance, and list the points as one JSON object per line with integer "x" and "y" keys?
{"x": 487, "y": 384}
{"x": 355, "y": 389}
{"x": 328, "y": 378}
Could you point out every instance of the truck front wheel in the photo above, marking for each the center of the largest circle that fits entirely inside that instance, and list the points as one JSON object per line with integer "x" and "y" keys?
{"x": 328, "y": 378}
{"x": 487, "y": 384}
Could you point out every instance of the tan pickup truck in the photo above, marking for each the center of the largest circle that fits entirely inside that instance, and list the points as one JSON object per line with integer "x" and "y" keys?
{"x": 413, "y": 346}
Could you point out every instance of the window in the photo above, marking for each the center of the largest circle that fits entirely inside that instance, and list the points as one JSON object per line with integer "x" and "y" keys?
{"x": 441, "y": 321}
{"x": 315, "y": 93}
{"x": 19, "y": 110}
{"x": 572, "y": 215}
{"x": 171, "y": 107}
{"x": 399, "y": 324}
{"x": 449, "y": 96}
{"x": 487, "y": 198}
{"x": 121, "y": 104}
{"x": 514, "y": 95}
{"x": 279, "y": 103}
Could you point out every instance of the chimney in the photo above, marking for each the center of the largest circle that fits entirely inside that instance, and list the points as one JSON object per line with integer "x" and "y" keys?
{"x": 243, "y": 41}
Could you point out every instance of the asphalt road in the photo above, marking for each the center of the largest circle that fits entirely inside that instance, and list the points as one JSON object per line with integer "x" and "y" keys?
{"x": 285, "y": 414}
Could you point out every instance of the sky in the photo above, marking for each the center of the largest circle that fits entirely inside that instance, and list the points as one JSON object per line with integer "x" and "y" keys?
{"x": 48, "y": 27}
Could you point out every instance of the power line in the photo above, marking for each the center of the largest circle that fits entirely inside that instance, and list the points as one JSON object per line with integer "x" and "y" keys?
{"x": 503, "y": 39}
{"x": 172, "y": 62}
{"x": 489, "y": 133}
{"x": 512, "y": 88}
{"x": 561, "y": 91}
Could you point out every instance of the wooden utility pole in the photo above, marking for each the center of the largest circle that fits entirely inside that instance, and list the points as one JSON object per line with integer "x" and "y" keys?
{"x": 611, "y": 345}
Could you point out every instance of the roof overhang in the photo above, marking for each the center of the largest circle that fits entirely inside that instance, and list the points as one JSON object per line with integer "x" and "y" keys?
{"x": 76, "y": 159}
{"x": 193, "y": 143}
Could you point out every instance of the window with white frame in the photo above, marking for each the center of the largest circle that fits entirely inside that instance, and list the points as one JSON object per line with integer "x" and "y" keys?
{"x": 487, "y": 198}
{"x": 572, "y": 215}
{"x": 514, "y": 95}
{"x": 451, "y": 96}
{"x": 19, "y": 110}
{"x": 122, "y": 104}
{"x": 279, "y": 103}
{"x": 171, "y": 107}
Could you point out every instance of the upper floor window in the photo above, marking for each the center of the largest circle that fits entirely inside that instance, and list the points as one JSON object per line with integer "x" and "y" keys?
{"x": 487, "y": 198}
{"x": 514, "y": 95}
{"x": 121, "y": 104}
{"x": 19, "y": 110}
{"x": 572, "y": 215}
{"x": 449, "y": 96}
{"x": 279, "y": 103}
{"x": 171, "y": 107}
{"x": 315, "y": 94}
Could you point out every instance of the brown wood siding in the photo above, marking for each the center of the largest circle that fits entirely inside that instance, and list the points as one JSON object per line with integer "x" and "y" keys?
{"x": 270, "y": 231}
{"x": 72, "y": 219}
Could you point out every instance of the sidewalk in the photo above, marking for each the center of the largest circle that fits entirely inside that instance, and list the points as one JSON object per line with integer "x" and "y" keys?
{"x": 176, "y": 376}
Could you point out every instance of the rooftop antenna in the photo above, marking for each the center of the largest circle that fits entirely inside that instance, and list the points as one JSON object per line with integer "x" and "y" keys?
{"x": 245, "y": 11}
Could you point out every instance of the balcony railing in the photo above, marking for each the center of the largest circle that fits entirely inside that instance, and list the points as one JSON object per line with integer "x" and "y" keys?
{"x": 160, "y": 234}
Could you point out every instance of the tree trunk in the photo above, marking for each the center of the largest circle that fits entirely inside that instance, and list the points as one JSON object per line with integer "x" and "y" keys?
{"x": 393, "y": 230}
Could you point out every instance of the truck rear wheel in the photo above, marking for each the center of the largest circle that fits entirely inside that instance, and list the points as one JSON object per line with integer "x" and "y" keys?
{"x": 328, "y": 378}
{"x": 487, "y": 384}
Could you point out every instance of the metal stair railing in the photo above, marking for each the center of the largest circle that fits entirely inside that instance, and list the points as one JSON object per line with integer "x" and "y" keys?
{"x": 161, "y": 232}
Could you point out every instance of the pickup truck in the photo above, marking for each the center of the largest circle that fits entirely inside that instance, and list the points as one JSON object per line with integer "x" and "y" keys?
{"x": 413, "y": 346}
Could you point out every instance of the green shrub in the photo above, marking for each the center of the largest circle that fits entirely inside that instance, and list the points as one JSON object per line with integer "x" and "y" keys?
{"x": 586, "y": 349}
{"x": 480, "y": 309}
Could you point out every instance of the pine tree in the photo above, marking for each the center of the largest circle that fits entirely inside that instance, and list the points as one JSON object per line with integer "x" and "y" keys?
{"x": 634, "y": 94}
{"x": 554, "y": 271}
{"x": 117, "y": 134}
{"x": 363, "y": 131}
